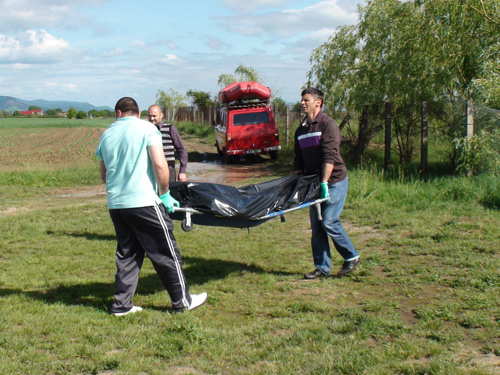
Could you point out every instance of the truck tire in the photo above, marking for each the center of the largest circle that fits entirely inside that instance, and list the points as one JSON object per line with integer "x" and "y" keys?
{"x": 274, "y": 155}
{"x": 219, "y": 151}
{"x": 228, "y": 159}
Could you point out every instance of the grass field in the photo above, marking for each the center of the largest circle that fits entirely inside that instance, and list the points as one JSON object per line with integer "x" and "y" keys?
{"x": 425, "y": 300}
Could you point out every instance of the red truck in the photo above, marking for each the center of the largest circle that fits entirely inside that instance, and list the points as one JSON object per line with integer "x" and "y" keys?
{"x": 245, "y": 123}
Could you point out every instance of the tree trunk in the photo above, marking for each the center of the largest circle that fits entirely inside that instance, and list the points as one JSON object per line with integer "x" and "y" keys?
{"x": 387, "y": 151}
{"x": 362, "y": 136}
{"x": 424, "y": 141}
{"x": 344, "y": 121}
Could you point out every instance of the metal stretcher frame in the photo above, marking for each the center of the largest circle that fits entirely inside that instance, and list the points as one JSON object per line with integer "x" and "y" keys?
{"x": 210, "y": 204}
{"x": 187, "y": 223}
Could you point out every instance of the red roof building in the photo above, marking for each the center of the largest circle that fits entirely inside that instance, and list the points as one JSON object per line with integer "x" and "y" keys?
{"x": 32, "y": 112}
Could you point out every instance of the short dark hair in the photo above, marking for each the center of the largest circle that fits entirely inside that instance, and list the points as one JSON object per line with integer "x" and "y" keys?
{"x": 127, "y": 104}
{"x": 314, "y": 92}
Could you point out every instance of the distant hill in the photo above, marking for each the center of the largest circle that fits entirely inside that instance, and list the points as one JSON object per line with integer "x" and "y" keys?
{"x": 8, "y": 103}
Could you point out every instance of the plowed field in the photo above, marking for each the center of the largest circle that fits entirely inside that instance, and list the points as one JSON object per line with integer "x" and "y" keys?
{"x": 49, "y": 148}
{"x": 46, "y": 148}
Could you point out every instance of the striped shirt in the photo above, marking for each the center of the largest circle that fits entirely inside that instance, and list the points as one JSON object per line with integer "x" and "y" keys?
{"x": 172, "y": 145}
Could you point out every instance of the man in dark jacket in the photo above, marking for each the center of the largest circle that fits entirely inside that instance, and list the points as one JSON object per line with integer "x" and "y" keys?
{"x": 172, "y": 143}
{"x": 317, "y": 150}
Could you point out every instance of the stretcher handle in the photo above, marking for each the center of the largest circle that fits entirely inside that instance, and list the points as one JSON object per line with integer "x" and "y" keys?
{"x": 316, "y": 202}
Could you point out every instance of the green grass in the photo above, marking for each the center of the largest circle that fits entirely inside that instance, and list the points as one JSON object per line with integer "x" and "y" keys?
{"x": 425, "y": 299}
{"x": 83, "y": 175}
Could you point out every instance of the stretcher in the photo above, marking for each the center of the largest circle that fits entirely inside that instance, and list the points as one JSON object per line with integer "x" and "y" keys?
{"x": 211, "y": 204}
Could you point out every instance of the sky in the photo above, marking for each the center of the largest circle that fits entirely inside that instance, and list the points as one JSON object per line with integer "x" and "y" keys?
{"x": 98, "y": 51}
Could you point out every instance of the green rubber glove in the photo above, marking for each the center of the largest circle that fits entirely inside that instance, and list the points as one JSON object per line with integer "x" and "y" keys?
{"x": 169, "y": 202}
{"x": 323, "y": 192}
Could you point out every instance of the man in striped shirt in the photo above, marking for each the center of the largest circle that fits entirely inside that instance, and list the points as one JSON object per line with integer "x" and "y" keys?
{"x": 172, "y": 143}
{"x": 317, "y": 151}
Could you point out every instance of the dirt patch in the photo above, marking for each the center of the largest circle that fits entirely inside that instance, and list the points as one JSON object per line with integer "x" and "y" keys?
{"x": 472, "y": 355}
{"x": 183, "y": 370}
{"x": 227, "y": 174}
{"x": 81, "y": 192}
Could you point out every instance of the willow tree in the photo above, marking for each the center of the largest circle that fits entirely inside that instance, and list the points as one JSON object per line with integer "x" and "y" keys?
{"x": 406, "y": 52}
{"x": 170, "y": 102}
{"x": 242, "y": 73}
{"x": 362, "y": 66}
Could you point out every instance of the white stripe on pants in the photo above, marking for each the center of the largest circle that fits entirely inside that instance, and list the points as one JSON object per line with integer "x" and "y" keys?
{"x": 146, "y": 230}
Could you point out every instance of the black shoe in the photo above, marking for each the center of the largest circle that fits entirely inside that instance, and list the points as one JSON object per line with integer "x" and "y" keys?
{"x": 348, "y": 267}
{"x": 314, "y": 275}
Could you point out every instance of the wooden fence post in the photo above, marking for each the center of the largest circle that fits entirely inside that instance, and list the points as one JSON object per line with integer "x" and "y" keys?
{"x": 424, "y": 144}
{"x": 287, "y": 124}
{"x": 387, "y": 151}
{"x": 470, "y": 119}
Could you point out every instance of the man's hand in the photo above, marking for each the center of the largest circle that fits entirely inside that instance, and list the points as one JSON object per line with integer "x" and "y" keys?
{"x": 324, "y": 190}
{"x": 169, "y": 202}
{"x": 182, "y": 177}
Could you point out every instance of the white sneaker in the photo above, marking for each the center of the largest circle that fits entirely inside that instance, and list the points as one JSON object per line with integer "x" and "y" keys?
{"x": 197, "y": 300}
{"x": 134, "y": 309}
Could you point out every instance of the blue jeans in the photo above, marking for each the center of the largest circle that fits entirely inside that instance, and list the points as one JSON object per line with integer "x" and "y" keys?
{"x": 330, "y": 227}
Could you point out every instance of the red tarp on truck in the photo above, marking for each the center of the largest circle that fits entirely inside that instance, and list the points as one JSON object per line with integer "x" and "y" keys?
{"x": 244, "y": 90}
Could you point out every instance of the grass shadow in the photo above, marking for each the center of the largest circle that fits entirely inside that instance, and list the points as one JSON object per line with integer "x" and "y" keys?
{"x": 200, "y": 270}
{"x": 99, "y": 295}
{"x": 86, "y": 235}
{"x": 95, "y": 294}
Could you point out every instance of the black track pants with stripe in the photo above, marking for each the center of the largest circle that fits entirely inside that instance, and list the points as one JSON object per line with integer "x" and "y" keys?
{"x": 146, "y": 230}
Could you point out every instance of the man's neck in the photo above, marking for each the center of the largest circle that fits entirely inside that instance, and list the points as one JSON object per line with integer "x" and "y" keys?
{"x": 312, "y": 116}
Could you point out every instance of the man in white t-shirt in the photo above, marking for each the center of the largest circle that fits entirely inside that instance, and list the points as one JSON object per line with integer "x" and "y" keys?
{"x": 133, "y": 166}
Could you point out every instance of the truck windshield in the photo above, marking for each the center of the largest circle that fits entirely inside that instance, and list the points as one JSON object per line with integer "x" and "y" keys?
{"x": 251, "y": 118}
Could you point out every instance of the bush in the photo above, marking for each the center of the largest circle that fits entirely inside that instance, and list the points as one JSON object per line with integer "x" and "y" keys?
{"x": 202, "y": 131}
{"x": 479, "y": 154}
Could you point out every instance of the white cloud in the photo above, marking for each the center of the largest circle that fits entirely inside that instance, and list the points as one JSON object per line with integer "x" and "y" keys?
{"x": 215, "y": 43}
{"x": 128, "y": 72}
{"x": 32, "y": 47}
{"x": 239, "y": 6}
{"x": 16, "y": 15}
{"x": 169, "y": 59}
{"x": 115, "y": 52}
{"x": 137, "y": 43}
{"x": 305, "y": 44}
{"x": 289, "y": 22}
{"x": 171, "y": 44}
{"x": 71, "y": 87}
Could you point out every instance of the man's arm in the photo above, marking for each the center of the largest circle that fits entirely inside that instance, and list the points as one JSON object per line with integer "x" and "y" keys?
{"x": 326, "y": 172}
{"x": 160, "y": 168}
{"x": 102, "y": 170}
{"x": 181, "y": 152}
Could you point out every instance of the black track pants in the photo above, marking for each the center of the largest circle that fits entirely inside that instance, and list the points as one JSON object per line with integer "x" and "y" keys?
{"x": 146, "y": 230}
